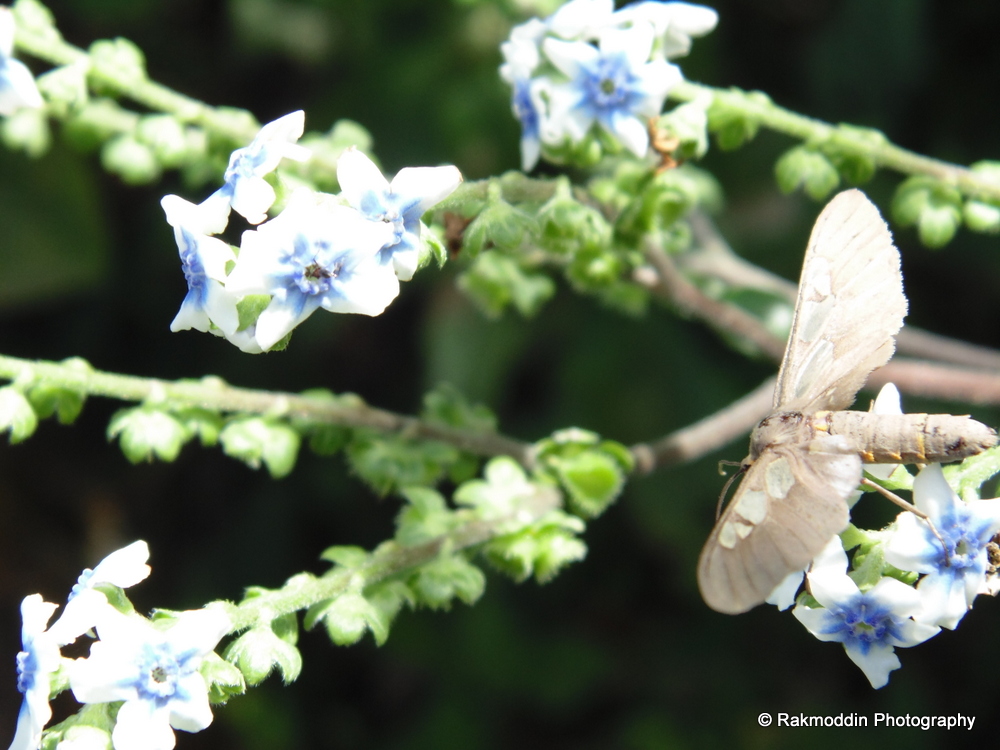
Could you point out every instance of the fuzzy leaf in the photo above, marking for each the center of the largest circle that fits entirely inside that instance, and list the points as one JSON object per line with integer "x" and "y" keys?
{"x": 257, "y": 439}
{"x": 145, "y": 432}
{"x": 438, "y": 582}
{"x": 16, "y": 414}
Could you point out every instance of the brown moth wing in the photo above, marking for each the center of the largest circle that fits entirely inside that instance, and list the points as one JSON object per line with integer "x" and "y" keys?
{"x": 789, "y": 505}
{"x": 849, "y": 308}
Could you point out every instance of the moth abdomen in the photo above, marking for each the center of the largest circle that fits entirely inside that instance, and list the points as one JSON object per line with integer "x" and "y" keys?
{"x": 909, "y": 438}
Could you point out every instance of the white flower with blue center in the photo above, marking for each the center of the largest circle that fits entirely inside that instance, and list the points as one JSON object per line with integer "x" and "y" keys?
{"x": 86, "y": 606}
{"x": 314, "y": 255}
{"x": 399, "y": 204}
{"x": 17, "y": 85}
{"x": 954, "y": 575}
{"x": 245, "y": 188}
{"x": 674, "y": 23}
{"x": 870, "y": 624}
{"x": 155, "y": 671}
{"x": 204, "y": 260}
{"x": 614, "y": 85}
{"x": 36, "y": 663}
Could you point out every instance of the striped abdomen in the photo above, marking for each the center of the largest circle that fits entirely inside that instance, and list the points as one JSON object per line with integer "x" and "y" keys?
{"x": 907, "y": 438}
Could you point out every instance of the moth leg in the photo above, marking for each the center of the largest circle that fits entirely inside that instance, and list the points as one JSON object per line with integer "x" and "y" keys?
{"x": 894, "y": 498}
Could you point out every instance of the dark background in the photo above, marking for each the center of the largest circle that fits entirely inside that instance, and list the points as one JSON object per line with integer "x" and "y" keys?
{"x": 618, "y": 651}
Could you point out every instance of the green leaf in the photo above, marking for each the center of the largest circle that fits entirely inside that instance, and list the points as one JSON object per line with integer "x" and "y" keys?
{"x": 541, "y": 549}
{"x": 131, "y": 160}
{"x": 425, "y": 517}
{"x": 805, "y": 167}
{"x": 145, "y": 432}
{"x": 346, "y": 556}
{"x": 968, "y": 476}
{"x": 389, "y": 461}
{"x": 387, "y": 598}
{"x": 592, "y": 479}
{"x": 495, "y": 281}
{"x": 250, "y": 307}
{"x": 981, "y": 217}
{"x": 257, "y": 439}
{"x": 224, "y": 680}
{"x": 446, "y": 405}
{"x": 118, "y": 60}
{"x": 436, "y": 583}
{"x": 258, "y": 651}
{"x": 347, "y": 617}
{"x": 731, "y": 126}
{"x": 499, "y": 224}
{"x": 16, "y": 414}
{"x": 203, "y": 423}
{"x": 48, "y": 399}
{"x": 568, "y": 226}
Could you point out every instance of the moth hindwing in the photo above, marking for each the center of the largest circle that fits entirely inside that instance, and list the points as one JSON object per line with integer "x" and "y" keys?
{"x": 793, "y": 498}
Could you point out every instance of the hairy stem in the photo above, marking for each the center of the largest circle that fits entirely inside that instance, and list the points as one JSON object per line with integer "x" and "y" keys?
{"x": 215, "y": 394}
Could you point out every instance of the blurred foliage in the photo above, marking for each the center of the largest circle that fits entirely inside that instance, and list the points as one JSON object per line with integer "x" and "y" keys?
{"x": 617, "y": 651}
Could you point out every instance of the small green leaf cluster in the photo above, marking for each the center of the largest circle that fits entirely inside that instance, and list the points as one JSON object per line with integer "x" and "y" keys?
{"x": 937, "y": 210}
{"x": 591, "y": 471}
{"x": 513, "y": 520}
{"x": 27, "y": 400}
{"x": 524, "y": 226}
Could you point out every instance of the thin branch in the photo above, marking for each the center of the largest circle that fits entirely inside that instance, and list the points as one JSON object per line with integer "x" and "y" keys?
{"x": 215, "y": 394}
{"x": 714, "y": 258}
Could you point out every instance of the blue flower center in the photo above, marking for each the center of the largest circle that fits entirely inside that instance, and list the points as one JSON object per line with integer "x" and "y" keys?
{"x": 864, "y": 623}
{"x": 313, "y": 268}
{"x": 610, "y": 84}
{"x": 160, "y": 671}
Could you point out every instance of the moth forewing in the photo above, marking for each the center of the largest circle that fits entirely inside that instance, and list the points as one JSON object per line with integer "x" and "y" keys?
{"x": 850, "y": 305}
{"x": 791, "y": 502}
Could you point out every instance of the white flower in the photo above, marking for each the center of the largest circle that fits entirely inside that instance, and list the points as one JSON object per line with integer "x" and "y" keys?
{"x": 155, "y": 671}
{"x": 674, "y": 23}
{"x": 245, "y": 188}
{"x": 86, "y": 606}
{"x": 17, "y": 85}
{"x": 204, "y": 260}
{"x": 36, "y": 663}
{"x": 521, "y": 52}
{"x": 613, "y": 86}
{"x": 310, "y": 256}
{"x": 581, "y": 19}
{"x": 953, "y": 576}
{"x": 870, "y": 624}
{"x": 399, "y": 204}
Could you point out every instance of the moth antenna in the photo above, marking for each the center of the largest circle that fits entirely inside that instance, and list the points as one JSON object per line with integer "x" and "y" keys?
{"x": 725, "y": 487}
{"x": 722, "y": 472}
{"x": 894, "y": 498}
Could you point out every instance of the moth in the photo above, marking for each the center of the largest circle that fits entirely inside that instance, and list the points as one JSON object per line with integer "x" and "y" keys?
{"x": 806, "y": 457}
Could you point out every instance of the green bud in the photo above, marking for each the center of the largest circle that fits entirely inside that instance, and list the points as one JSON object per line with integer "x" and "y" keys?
{"x": 438, "y": 582}
{"x": 64, "y": 88}
{"x": 27, "y": 130}
{"x": 165, "y": 136}
{"x": 48, "y": 399}
{"x": 981, "y": 217}
{"x": 804, "y": 167}
{"x": 131, "y": 160}
{"x": 499, "y": 224}
{"x": 258, "y": 439}
{"x": 258, "y": 651}
{"x": 16, "y": 414}
{"x": 144, "y": 432}
{"x": 117, "y": 61}
{"x": 495, "y": 281}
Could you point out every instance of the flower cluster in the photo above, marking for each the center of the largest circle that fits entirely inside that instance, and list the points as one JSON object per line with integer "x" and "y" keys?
{"x": 589, "y": 70}
{"x": 908, "y": 581}
{"x": 153, "y": 669}
{"x": 17, "y": 85}
{"x": 344, "y": 253}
